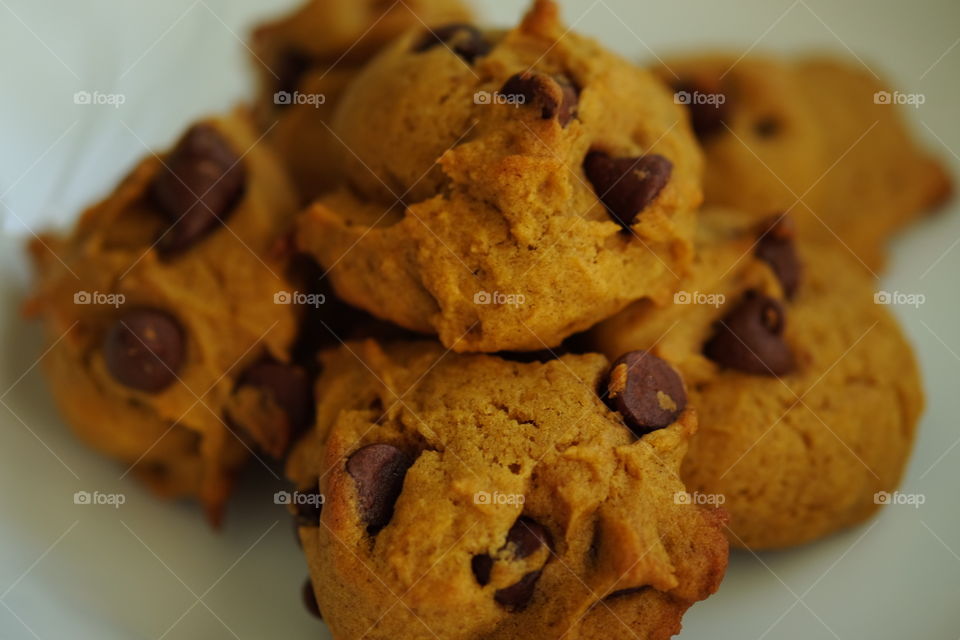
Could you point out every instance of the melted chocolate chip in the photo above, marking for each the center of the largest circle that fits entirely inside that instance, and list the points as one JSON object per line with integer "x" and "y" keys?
{"x": 555, "y": 96}
{"x": 378, "y": 471}
{"x": 464, "y": 39}
{"x": 288, "y": 385}
{"x": 526, "y": 536}
{"x": 708, "y": 110}
{"x": 776, "y": 247}
{"x": 767, "y": 127}
{"x": 517, "y": 596}
{"x": 482, "y": 565}
{"x": 144, "y": 349}
{"x": 627, "y": 186}
{"x": 200, "y": 184}
{"x": 646, "y": 391}
{"x": 750, "y": 338}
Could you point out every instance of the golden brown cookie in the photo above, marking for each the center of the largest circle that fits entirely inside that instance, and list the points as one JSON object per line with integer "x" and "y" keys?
{"x": 545, "y": 183}
{"x": 816, "y": 137}
{"x": 169, "y": 315}
{"x": 305, "y": 60}
{"x": 807, "y": 393}
{"x": 469, "y": 496}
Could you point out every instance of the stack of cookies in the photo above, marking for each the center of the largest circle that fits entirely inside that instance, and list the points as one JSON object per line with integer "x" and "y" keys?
{"x": 538, "y": 332}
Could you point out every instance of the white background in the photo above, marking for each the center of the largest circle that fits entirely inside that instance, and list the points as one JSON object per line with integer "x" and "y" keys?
{"x": 151, "y": 570}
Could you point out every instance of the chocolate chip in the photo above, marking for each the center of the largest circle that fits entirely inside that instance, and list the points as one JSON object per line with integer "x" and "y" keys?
{"x": 378, "y": 470}
{"x": 526, "y": 536}
{"x": 201, "y": 182}
{"x": 288, "y": 385}
{"x": 750, "y": 338}
{"x": 310, "y": 599}
{"x": 646, "y": 391}
{"x": 708, "y": 109}
{"x": 144, "y": 349}
{"x": 776, "y": 247}
{"x": 767, "y": 127}
{"x": 555, "y": 96}
{"x": 291, "y": 66}
{"x": 517, "y": 596}
{"x": 482, "y": 565}
{"x": 627, "y": 186}
{"x": 464, "y": 39}
{"x": 308, "y": 508}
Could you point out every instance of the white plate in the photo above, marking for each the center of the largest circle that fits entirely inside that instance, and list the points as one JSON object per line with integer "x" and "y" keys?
{"x": 150, "y": 570}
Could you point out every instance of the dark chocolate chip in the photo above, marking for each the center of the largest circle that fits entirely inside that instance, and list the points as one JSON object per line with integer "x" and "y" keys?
{"x": 776, "y": 247}
{"x": 144, "y": 349}
{"x": 750, "y": 338}
{"x": 708, "y": 109}
{"x": 291, "y": 66}
{"x": 200, "y": 184}
{"x": 482, "y": 565}
{"x": 627, "y": 186}
{"x": 308, "y": 508}
{"x": 767, "y": 127}
{"x": 288, "y": 385}
{"x": 555, "y": 96}
{"x": 517, "y": 596}
{"x": 527, "y": 536}
{"x": 646, "y": 391}
{"x": 464, "y": 39}
{"x": 378, "y": 470}
{"x": 310, "y": 599}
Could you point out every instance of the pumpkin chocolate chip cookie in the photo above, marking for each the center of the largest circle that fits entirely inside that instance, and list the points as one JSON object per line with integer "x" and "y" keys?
{"x": 807, "y": 394}
{"x": 469, "y": 496}
{"x": 168, "y": 348}
{"x": 506, "y": 189}
{"x": 816, "y": 137}
{"x": 305, "y": 60}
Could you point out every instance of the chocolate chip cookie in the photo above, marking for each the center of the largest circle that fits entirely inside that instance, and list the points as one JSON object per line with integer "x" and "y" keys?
{"x": 169, "y": 316}
{"x": 807, "y": 394}
{"x": 305, "y": 60}
{"x": 469, "y": 496}
{"x": 819, "y": 138}
{"x": 506, "y": 189}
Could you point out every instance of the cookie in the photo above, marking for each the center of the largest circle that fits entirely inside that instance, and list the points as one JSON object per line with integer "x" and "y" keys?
{"x": 815, "y": 137}
{"x": 469, "y": 496}
{"x": 807, "y": 393}
{"x": 305, "y": 60}
{"x": 168, "y": 315}
{"x": 506, "y": 189}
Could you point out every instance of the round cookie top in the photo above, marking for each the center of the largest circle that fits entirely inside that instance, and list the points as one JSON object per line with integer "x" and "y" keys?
{"x": 471, "y": 496}
{"x": 506, "y": 189}
{"x": 807, "y": 393}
